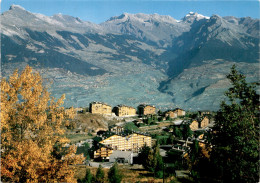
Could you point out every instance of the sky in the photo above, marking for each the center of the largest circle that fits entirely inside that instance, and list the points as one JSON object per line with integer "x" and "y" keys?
{"x": 101, "y": 10}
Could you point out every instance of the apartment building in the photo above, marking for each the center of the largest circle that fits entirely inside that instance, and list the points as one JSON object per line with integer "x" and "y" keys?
{"x": 123, "y": 110}
{"x": 146, "y": 109}
{"x": 133, "y": 142}
{"x": 171, "y": 114}
{"x": 100, "y": 108}
{"x": 180, "y": 112}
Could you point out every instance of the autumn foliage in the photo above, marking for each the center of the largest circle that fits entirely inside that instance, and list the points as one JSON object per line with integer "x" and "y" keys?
{"x": 31, "y": 132}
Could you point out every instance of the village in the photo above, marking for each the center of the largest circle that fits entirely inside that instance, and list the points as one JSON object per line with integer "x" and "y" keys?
{"x": 173, "y": 131}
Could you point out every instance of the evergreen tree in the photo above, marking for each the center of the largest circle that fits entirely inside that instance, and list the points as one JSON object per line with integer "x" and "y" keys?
{"x": 177, "y": 132}
{"x": 235, "y": 135}
{"x": 149, "y": 120}
{"x": 150, "y": 162}
{"x": 114, "y": 175}
{"x": 143, "y": 155}
{"x": 100, "y": 175}
{"x": 170, "y": 139}
{"x": 198, "y": 163}
{"x": 186, "y": 131}
{"x": 85, "y": 149}
{"x": 88, "y": 177}
{"x": 158, "y": 162}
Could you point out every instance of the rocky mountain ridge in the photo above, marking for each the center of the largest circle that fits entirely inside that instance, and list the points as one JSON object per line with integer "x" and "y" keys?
{"x": 132, "y": 58}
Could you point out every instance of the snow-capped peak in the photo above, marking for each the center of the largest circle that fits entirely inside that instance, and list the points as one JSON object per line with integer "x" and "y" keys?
{"x": 141, "y": 17}
{"x": 59, "y": 15}
{"x": 14, "y": 6}
{"x": 195, "y": 14}
{"x": 47, "y": 19}
{"x": 191, "y": 16}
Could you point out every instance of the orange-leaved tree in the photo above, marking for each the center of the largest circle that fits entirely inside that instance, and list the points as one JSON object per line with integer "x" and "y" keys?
{"x": 31, "y": 132}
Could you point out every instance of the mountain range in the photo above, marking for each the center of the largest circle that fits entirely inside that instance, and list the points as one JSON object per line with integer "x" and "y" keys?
{"x": 132, "y": 58}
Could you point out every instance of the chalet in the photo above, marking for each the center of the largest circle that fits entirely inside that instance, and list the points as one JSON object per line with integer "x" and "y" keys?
{"x": 171, "y": 114}
{"x": 123, "y": 110}
{"x": 194, "y": 125}
{"x": 180, "y": 112}
{"x": 103, "y": 152}
{"x": 199, "y": 123}
{"x": 100, "y": 108}
{"x": 146, "y": 109}
{"x": 204, "y": 122}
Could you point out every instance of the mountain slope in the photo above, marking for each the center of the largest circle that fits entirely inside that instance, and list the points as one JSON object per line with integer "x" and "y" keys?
{"x": 126, "y": 59}
{"x": 206, "y": 53}
{"x": 215, "y": 38}
{"x": 158, "y": 29}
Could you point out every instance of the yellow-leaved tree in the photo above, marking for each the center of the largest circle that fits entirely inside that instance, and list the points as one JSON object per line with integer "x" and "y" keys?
{"x": 31, "y": 132}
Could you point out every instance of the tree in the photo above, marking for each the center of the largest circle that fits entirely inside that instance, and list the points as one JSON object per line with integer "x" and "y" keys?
{"x": 152, "y": 160}
{"x": 186, "y": 131}
{"x": 177, "y": 132}
{"x": 143, "y": 155}
{"x": 199, "y": 163}
{"x": 95, "y": 143}
{"x": 170, "y": 139}
{"x": 114, "y": 175}
{"x": 88, "y": 177}
{"x": 85, "y": 149}
{"x": 31, "y": 132}
{"x": 158, "y": 162}
{"x": 100, "y": 175}
{"x": 149, "y": 120}
{"x": 235, "y": 135}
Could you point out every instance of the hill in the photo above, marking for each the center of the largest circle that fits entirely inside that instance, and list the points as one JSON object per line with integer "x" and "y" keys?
{"x": 132, "y": 58}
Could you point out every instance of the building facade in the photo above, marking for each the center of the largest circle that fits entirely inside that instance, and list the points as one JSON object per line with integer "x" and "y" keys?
{"x": 194, "y": 125}
{"x": 121, "y": 157}
{"x": 180, "y": 112}
{"x": 133, "y": 143}
{"x": 204, "y": 122}
{"x": 146, "y": 109}
{"x": 103, "y": 152}
{"x": 123, "y": 110}
{"x": 100, "y": 108}
{"x": 171, "y": 114}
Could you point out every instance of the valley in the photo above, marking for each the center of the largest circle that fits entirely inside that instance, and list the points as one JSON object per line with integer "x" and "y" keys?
{"x": 132, "y": 58}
